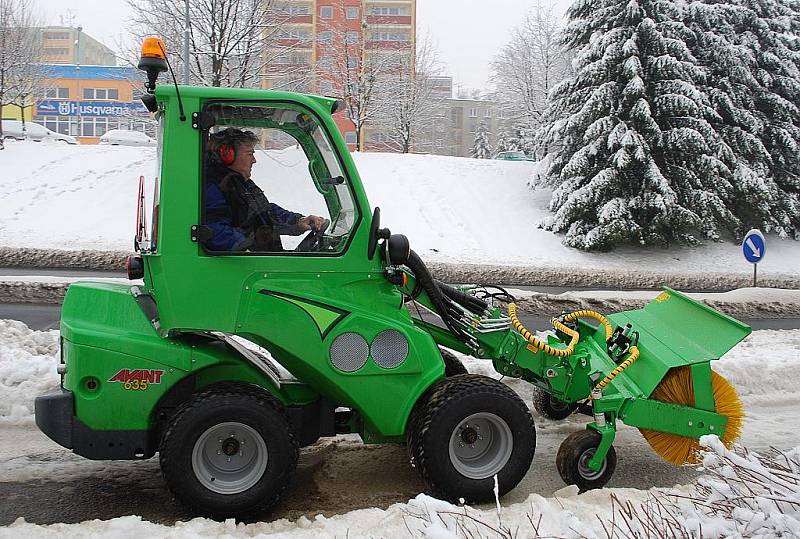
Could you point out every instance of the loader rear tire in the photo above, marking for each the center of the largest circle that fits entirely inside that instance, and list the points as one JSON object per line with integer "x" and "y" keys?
{"x": 466, "y": 430}
{"x": 550, "y": 407}
{"x": 573, "y": 457}
{"x": 229, "y": 452}
{"x": 452, "y": 365}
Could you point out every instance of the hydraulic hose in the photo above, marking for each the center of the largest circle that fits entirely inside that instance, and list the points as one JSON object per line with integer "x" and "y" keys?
{"x": 438, "y": 299}
{"x": 471, "y": 303}
{"x": 634, "y": 355}
{"x": 571, "y": 317}
{"x": 538, "y": 344}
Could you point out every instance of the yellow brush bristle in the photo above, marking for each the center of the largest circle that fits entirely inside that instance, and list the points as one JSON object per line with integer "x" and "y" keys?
{"x": 677, "y": 388}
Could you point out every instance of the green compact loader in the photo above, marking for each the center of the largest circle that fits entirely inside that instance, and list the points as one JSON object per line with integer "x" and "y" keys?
{"x": 226, "y": 362}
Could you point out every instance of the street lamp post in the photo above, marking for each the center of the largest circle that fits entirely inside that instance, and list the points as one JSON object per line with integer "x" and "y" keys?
{"x": 186, "y": 43}
{"x": 79, "y": 130}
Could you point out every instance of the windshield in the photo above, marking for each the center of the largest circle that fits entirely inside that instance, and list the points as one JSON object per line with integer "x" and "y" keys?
{"x": 273, "y": 183}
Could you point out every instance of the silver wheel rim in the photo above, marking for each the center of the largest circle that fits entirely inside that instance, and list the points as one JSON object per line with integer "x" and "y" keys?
{"x": 583, "y": 465}
{"x": 229, "y": 458}
{"x": 481, "y": 445}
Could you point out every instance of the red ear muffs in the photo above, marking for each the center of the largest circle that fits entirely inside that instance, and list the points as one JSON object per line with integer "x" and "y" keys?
{"x": 227, "y": 154}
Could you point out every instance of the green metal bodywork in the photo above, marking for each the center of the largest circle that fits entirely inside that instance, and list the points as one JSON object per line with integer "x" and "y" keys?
{"x": 295, "y": 305}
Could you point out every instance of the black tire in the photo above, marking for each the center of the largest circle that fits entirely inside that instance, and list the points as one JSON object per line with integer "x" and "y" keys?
{"x": 550, "y": 407}
{"x": 436, "y": 425}
{"x": 452, "y": 365}
{"x": 573, "y": 457}
{"x": 258, "y": 415}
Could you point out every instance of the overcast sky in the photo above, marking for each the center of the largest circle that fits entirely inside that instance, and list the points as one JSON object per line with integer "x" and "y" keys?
{"x": 467, "y": 33}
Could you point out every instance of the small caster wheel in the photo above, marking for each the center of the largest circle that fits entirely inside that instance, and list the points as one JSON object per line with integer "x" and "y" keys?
{"x": 550, "y": 407}
{"x": 573, "y": 459}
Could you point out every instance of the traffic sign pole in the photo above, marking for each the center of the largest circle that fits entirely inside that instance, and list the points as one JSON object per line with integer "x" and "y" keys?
{"x": 754, "y": 247}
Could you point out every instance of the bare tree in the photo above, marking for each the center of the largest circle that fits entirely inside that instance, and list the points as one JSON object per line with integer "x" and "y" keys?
{"x": 364, "y": 76}
{"x": 20, "y": 48}
{"x": 529, "y": 66}
{"x": 231, "y": 42}
{"x": 415, "y": 116}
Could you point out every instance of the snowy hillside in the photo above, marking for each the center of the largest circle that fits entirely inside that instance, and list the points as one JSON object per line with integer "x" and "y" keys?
{"x": 452, "y": 209}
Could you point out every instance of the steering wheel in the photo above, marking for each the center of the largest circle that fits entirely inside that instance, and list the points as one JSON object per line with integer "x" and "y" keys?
{"x": 313, "y": 241}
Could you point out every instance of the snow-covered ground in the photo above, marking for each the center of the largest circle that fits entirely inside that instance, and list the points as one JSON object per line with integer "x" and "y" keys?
{"x": 452, "y": 209}
{"x": 27, "y": 368}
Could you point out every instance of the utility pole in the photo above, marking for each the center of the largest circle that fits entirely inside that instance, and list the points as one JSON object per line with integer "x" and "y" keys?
{"x": 186, "y": 43}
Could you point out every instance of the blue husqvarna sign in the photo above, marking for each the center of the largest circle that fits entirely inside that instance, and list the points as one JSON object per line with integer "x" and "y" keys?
{"x": 57, "y": 107}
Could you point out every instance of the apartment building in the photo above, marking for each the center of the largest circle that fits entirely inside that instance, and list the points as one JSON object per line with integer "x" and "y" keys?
{"x": 68, "y": 45}
{"x": 323, "y": 45}
{"x": 465, "y": 117}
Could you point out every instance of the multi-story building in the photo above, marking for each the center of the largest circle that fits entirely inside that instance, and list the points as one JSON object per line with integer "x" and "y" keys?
{"x": 465, "y": 117}
{"x": 67, "y": 45}
{"x": 322, "y": 46}
{"x": 86, "y": 101}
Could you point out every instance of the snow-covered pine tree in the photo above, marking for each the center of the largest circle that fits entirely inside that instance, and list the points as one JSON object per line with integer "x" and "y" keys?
{"x": 506, "y": 142}
{"x": 750, "y": 51}
{"x": 637, "y": 159}
{"x": 481, "y": 148}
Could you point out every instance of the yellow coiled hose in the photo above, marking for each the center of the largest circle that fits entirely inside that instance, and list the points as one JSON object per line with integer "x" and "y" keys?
{"x": 539, "y": 345}
{"x": 574, "y": 337}
{"x": 634, "y": 355}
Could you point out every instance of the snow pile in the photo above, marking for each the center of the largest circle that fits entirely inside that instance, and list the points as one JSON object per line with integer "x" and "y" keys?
{"x": 27, "y": 369}
{"x": 452, "y": 209}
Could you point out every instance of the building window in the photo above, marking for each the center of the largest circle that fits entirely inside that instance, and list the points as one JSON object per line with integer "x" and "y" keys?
{"x": 389, "y": 36}
{"x": 352, "y": 62}
{"x": 326, "y": 12}
{"x": 326, "y": 36}
{"x": 352, "y": 38}
{"x": 56, "y": 93}
{"x": 326, "y": 87}
{"x": 488, "y": 113}
{"x": 473, "y": 113}
{"x": 95, "y": 127}
{"x": 351, "y": 13}
{"x": 387, "y": 11}
{"x": 56, "y": 51}
{"x": 325, "y": 63}
{"x": 350, "y": 137}
{"x": 100, "y": 93}
{"x": 59, "y": 124}
{"x": 294, "y": 33}
{"x": 293, "y": 10}
{"x": 56, "y": 35}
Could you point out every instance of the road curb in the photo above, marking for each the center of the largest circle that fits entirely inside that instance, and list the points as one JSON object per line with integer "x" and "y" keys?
{"x": 19, "y": 291}
{"x": 457, "y": 273}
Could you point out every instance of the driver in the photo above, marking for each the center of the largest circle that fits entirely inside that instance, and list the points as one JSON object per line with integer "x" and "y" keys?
{"x": 236, "y": 210}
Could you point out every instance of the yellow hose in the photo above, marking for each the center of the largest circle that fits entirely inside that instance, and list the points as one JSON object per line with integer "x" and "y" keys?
{"x": 634, "y": 355}
{"x": 571, "y": 317}
{"x": 539, "y": 345}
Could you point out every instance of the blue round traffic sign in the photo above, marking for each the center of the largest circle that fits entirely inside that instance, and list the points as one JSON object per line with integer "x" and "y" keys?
{"x": 754, "y": 247}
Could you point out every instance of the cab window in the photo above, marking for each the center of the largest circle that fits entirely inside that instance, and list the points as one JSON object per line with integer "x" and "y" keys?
{"x": 272, "y": 183}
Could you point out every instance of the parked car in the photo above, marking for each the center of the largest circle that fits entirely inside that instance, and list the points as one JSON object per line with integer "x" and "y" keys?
{"x": 125, "y": 137}
{"x": 512, "y": 156}
{"x": 15, "y": 129}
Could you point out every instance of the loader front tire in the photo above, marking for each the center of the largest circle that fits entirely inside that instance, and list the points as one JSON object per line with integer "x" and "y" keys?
{"x": 229, "y": 452}
{"x": 466, "y": 430}
{"x": 550, "y": 407}
{"x": 573, "y": 458}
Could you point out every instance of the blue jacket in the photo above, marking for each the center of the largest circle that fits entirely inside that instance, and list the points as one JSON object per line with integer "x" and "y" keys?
{"x": 236, "y": 207}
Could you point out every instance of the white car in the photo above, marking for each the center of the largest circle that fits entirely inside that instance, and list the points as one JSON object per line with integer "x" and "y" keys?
{"x": 15, "y": 129}
{"x": 125, "y": 137}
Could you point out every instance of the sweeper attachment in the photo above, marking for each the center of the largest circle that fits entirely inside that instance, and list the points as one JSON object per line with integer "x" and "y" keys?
{"x": 242, "y": 341}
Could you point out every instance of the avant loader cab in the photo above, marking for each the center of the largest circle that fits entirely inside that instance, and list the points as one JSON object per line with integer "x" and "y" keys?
{"x": 226, "y": 361}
